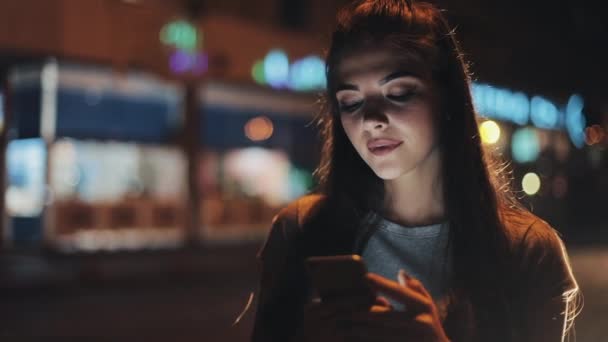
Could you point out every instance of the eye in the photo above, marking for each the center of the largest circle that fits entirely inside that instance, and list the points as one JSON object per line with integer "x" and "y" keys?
{"x": 349, "y": 107}
{"x": 401, "y": 96}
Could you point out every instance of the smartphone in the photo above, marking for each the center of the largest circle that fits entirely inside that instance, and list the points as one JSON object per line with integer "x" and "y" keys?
{"x": 340, "y": 276}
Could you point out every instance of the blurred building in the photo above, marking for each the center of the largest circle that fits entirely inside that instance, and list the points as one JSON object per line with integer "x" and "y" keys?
{"x": 137, "y": 124}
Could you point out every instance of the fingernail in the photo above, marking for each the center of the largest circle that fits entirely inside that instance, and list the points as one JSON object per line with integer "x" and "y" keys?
{"x": 402, "y": 277}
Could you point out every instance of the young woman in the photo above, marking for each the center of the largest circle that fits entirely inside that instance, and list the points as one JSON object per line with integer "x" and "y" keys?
{"x": 404, "y": 183}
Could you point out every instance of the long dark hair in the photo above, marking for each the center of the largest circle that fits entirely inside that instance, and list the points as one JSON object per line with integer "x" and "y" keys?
{"x": 474, "y": 190}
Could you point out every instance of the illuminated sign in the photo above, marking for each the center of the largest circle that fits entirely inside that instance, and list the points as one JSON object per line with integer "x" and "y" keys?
{"x": 180, "y": 34}
{"x": 305, "y": 74}
{"x": 516, "y": 107}
{"x": 186, "y": 42}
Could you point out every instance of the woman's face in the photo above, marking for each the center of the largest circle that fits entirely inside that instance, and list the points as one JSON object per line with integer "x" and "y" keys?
{"x": 388, "y": 112}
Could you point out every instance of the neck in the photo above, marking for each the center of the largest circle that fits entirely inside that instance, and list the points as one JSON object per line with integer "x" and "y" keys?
{"x": 416, "y": 197}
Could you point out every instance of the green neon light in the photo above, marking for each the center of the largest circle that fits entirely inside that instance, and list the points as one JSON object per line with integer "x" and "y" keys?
{"x": 180, "y": 34}
{"x": 257, "y": 72}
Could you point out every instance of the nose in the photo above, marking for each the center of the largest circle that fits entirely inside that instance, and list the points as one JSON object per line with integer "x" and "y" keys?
{"x": 374, "y": 116}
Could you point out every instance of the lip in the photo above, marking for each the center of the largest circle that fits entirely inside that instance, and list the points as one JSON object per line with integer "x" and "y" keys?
{"x": 382, "y": 146}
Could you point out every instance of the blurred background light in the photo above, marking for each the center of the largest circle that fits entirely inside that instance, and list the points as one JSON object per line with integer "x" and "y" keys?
{"x": 276, "y": 68}
{"x": 525, "y": 146}
{"x": 259, "y": 128}
{"x": 184, "y": 61}
{"x": 594, "y": 135}
{"x": 259, "y": 172}
{"x": 543, "y": 113}
{"x": 300, "y": 181}
{"x": 575, "y": 120}
{"x": 307, "y": 74}
{"x": 180, "y": 34}
{"x": 501, "y": 104}
{"x": 26, "y": 160}
{"x": 490, "y": 132}
{"x": 530, "y": 183}
{"x": 48, "y": 111}
{"x": 257, "y": 72}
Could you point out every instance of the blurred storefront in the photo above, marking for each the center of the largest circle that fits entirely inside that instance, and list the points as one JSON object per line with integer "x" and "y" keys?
{"x": 93, "y": 159}
{"x": 98, "y": 155}
{"x": 259, "y": 149}
{"x": 105, "y": 152}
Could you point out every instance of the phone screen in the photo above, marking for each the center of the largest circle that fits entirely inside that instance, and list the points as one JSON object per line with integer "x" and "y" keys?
{"x": 340, "y": 276}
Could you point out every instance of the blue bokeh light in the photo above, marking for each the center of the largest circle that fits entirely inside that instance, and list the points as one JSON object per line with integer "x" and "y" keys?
{"x": 575, "y": 120}
{"x": 543, "y": 113}
{"x": 307, "y": 74}
{"x": 525, "y": 145}
{"x": 276, "y": 68}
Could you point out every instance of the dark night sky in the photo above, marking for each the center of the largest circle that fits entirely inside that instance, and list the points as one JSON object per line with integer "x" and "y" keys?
{"x": 543, "y": 47}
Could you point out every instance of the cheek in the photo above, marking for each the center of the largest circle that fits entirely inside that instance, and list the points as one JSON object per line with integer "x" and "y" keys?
{"x": 419, "y": 126}
{"x": 350, "y": 127}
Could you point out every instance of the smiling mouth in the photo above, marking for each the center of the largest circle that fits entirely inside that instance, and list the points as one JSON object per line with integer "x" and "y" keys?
{"x": 384, "y": 149}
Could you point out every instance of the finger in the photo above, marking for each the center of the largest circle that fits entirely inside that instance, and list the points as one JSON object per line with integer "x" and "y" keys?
{"x": 411, "y": 282}
{"x": 382, "y": 301}
{"x": 380, "y": 309}
{"x": 412, "y": 299}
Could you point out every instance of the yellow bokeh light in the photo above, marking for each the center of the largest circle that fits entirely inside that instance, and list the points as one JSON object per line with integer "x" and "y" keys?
{"x": 259, "y": 128}
{"x": 530, "y": 183}
{"x": 489, "y": 131}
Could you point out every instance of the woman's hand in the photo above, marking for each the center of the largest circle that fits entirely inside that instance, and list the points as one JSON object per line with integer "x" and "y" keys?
{"x": 330, "y": 322}
{"x": 419, "y": 322}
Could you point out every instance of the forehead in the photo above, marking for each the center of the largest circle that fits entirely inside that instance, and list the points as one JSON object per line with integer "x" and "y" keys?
{"x": 375, "y": 59}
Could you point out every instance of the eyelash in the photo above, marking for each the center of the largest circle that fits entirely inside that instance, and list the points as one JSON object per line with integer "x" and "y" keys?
{"x": 399, "y": 98}
{"x": 351, "y": 107}
{"x": 402, "y": 97}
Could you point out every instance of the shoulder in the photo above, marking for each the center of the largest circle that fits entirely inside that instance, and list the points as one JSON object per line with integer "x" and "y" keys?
{"x": 288, "y": 223}
{"x": 527, "y": 231}
{"x": 539, "y": 253}
{"x": 300, "y": 211}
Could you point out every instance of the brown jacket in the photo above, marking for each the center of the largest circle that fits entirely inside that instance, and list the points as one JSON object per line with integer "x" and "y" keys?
{"x": 539, "y": 262}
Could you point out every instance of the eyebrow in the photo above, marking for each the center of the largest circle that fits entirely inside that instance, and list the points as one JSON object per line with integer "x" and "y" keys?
{"x": 396, "y": 74}
{"x": 390, "y": 77}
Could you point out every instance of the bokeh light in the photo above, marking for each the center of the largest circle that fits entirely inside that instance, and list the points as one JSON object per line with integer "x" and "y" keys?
{"x": 257, "y": 72}
{"x": 543, "y": 113}
{"x": 489, "y": 131}
{"x": 259, "y": 128}
{"x": 307, "y": 74}
{"x": 531, "y": 183}
{"x": 276, "y": 68}
{"x": 525, "y": 146}
{"x": 594, "y": 135}
{"x": 180, "y": 34}
{"x": 183, "y": 61}
{"x": 575, "y": 120}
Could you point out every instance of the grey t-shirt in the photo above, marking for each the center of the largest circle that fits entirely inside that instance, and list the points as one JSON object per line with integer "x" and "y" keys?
{"x": 419, "y": 251}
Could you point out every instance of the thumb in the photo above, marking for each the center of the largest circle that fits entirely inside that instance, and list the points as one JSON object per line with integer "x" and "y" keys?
{"x": 411, "y": 282}
{"x": 382, "y": 301}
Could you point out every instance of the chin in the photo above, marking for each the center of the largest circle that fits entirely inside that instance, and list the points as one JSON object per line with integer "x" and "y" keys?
{"x": 388, "y": 173}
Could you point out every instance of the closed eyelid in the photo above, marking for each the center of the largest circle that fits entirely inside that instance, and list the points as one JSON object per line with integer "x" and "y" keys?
{"x": 409, "y": 83}
{"x": 348, "y": 95}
